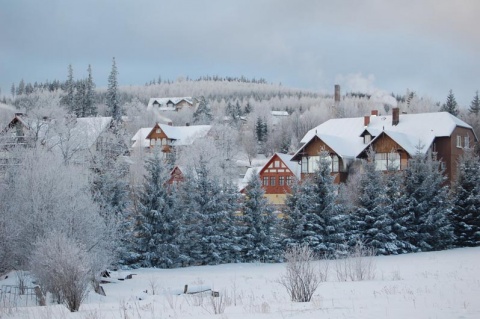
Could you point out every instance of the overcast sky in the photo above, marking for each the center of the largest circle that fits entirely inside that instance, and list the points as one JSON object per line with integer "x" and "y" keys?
{"x": 429, "y": 46}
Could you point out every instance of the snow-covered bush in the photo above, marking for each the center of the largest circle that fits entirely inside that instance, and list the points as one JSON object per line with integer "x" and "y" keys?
{"x": 301, "y": 278}
{"x": 62, "y": 267}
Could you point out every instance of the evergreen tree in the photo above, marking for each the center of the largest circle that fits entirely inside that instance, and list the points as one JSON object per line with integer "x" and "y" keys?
{"x": 13, "y": 90}
{"x": 312, "y": 214}
{"x": 112, "y": 95}
{"x": 203, "y": 113}
{"x": 70, "y": 88}
{"x": 79, "y": 103}
{"x": 261, "y": 130}
{"x": 466, "y": 209}
{"x": 158, "y": 220}
{"x": 211, "y": 234}
{"x": 450, "y": 105}
{"x": 21, "y": 87}
{"x": 475, "y": 104}
{"x": 258, "y": 236}
{"x": 88, "y": 102}
{"x": 427, "y": 204}
{"x": 370, "y": 221}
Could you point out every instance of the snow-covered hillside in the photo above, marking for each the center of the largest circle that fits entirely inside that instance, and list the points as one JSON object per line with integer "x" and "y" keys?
{"x": 442, "y": 284}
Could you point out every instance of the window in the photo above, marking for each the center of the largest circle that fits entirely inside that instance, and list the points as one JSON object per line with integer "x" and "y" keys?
{"x": 265, "y": 181}
{"x": 459, "y": 141}
{"x": 159, "y": 131}
{"x": 387, "y": 161}
{"x": 467, "y": 141}
{"x": 276, "y": 164}
{"x": 272, "y": 180}
{"x": 335, "y": 164}
{"x": 313, "y": 163}
{"x": 367, "y": 138}
{"x": 289, "y": 180}
{"x": 304, "y": 164}
{"x": 281, "y": 181}
{"x": 164, "y": 141}
{"x": 152, "y": 142}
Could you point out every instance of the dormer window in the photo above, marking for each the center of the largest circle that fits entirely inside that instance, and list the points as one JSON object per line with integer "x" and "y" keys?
{"x": 367, "y": 139}
{"x": 158, "y": 131}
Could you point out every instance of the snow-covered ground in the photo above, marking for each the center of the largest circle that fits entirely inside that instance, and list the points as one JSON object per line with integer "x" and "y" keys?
{"x": 426, "y": 285}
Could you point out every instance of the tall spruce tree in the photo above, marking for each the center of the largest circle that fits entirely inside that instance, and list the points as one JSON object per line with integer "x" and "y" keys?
{"x": 259, "y": 240}
{"x": 450, "y": 105}
{"x": 370, "y": 222}
{"x": 70, "y": 88}
{"x": 203, "y": 113}
{"x": 427, "y": 204}
{"x": 158, "y": 219}
{"x": 89, "y": 100}
{"x": 466, "y": 209}
{"x": 211, "y": 233}
{"x": 312, "y": 214}
{"x": 112, "y": 94}
{"x": 475, "y": 104}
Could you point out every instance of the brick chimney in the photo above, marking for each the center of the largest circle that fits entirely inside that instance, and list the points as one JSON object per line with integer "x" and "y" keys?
{"x": 375, "y": 112}
{"x": 395, "y": 115}
{"x": 366, "y": 120}
{"x": 337, "y": 93}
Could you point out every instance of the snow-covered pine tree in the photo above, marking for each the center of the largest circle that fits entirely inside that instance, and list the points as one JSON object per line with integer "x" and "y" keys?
{"x": 113, "y": 104}
{"x": 79, "y": 98}
{"x": 211, "y": 234}
{"x": 475, "y": 104}
{"x": 88, "y": 103}
{"x": 427, "y": 204}
{"x": 450, "y": 105}
{"x": 312, "y": 215}
{"x": 259, "y": 240}
{"x": 158, "y": 219}
{"x": 203, "y": 113}
{"x": 466, "y": 209}
{"x": 70, "y": 88}
{"x": 370, "y": 222}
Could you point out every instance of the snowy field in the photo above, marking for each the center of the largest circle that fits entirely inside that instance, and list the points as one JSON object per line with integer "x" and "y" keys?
{"x": 426, "y": 285}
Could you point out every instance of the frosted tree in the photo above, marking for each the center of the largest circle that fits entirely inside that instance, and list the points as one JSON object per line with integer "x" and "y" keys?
{"x": 312, "y": 215}
{"x": 370, "y": 222}
{"x": 157, "y": 221}
{"x": 475, "y": 104}
{"x": 203, "y": 113}
{"x": 212, "y": 234}
{"x": 259, "y": 240}
{"x": 89, "y": 107}
{"x": 114, "y": 108}
{"x": 450, "y": 105}
{"x": 465, "y": 214}
{"x": 427, "y": 204}
{"x": 69, "y": 100}
{"x": 43, "y": 195}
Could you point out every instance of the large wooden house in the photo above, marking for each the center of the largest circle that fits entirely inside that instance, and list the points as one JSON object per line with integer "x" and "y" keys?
{"x": 170, "y": 103}
{"x": 168, "y": 137}
{"x": 277, "y": 176}
{"x": 394, "y": 139}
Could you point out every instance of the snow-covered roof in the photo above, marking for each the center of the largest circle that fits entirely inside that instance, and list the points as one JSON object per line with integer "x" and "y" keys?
{"x": 139, "y": 139}
{"x": 185, "y": 135}
{"x": 292, "y": 165}
{"x": 164, "y": 101}
{"x": 344, "y": 135}
{"x": 279, "y": 113}
{"x": 84, "y": 133}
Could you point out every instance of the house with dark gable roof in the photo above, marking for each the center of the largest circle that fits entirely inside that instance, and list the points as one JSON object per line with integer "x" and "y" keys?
{"x": 394, "y": 138}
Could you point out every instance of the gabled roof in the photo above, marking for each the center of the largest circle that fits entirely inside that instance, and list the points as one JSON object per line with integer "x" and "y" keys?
{"x": 140, "y": 138}
{"x": 185, "y": 135}
{"x": 163, "y": 101}
{"x": 292, "y": 166}
{"x": 344, "y": 135}
{"x": 85, "y": 132}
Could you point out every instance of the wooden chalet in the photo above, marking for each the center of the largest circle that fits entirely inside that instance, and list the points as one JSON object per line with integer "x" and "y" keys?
{"x": 394, "y": 138}
{"x": 277, "y": 176}
{"x": 170, "y": 103}
{"x": 168, "y": 137}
